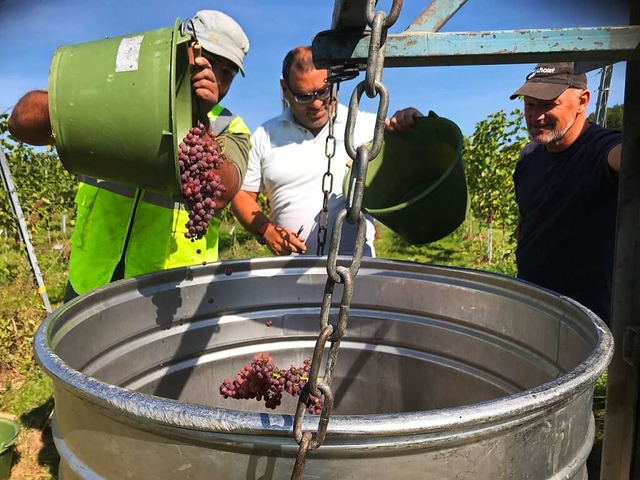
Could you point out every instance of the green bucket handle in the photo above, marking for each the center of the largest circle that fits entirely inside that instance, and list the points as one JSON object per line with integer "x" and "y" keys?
{"x": 416, "y": 185}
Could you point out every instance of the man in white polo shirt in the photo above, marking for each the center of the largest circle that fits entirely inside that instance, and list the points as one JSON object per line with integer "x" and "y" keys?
{"x": 288, "y": 161}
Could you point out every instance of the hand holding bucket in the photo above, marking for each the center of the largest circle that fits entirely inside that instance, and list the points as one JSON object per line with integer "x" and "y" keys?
{"x": 416, "y": 185}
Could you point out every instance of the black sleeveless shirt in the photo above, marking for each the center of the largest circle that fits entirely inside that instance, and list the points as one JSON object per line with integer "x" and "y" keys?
{"x": 568, "y": 205}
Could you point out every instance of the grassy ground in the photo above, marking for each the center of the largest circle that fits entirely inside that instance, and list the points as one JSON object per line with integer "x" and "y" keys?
{"x": 26, "y": 394}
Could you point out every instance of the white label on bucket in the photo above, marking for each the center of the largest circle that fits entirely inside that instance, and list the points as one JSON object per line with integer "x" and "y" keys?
{"x": 128, "y": 53}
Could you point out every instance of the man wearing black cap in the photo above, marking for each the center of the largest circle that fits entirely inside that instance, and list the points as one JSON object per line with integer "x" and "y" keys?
{"x": 566, "y": 184}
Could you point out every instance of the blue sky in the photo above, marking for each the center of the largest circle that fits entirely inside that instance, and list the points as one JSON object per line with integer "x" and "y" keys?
{"x": 30, "y": 31}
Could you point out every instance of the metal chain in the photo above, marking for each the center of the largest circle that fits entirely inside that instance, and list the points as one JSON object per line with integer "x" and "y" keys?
{"x": 330, "y": 151}
{"x": 352, "y": 213}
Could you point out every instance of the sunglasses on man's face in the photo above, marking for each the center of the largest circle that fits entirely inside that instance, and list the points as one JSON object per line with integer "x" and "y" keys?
{"x": 323, "y": 95}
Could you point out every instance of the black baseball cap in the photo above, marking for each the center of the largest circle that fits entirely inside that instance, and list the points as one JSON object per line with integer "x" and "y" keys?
{"x": 548, "y": 80}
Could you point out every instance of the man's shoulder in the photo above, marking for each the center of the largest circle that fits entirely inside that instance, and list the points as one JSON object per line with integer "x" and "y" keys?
{"x": 531, "y": 155}
{"x": 596, "y": 142}
{"x": 274, "y": 123}
{"x": 597, "y": 133}
{"x": 529, "y": 149}
{"x": 225, "y": 122}
{"x": 275, "y": 131}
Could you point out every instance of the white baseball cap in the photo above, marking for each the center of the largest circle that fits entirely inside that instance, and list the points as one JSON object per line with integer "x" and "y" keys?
{"x": 219, "y": 34}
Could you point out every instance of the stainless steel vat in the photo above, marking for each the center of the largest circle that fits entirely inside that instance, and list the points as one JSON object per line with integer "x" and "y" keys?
{"x": 444, "y": 373}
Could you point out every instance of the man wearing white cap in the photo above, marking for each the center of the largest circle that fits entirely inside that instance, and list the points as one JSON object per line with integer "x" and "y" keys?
{"x": 121, "y": 231}
{"x": 566, "y": 183}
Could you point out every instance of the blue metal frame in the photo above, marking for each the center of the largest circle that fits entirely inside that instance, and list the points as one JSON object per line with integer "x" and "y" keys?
{"x": 435, "y": 15}
{"x": 416, "y": 48}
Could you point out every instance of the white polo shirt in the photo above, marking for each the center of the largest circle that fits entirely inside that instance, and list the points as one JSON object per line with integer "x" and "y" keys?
{"x": 288, "y": 163}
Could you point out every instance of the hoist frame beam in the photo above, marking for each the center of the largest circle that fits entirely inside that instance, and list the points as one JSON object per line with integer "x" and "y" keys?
{"x": 419, "y": 49}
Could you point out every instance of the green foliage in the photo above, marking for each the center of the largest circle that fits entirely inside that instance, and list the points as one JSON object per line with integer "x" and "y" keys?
{"x": 45, "y": 189}
{"x": 18, "y": 323}
{"x": 614, "y": 117}
{"x": 21, "y": 307}
{"x": 600, "y": 388}
{"x": 235, "y": 242}
{"x": 453, "y": 250}
{"x": 600, "y": 391}
{"x": 227, "y": 214}
{"x": 490, "y": 156}
{"x": 21, "y": 399}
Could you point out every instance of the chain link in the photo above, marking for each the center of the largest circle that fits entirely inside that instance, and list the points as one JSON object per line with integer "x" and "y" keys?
{"x": 352, "y": 213}
{"x": 394, "y": 13}
{"x": 376, "y": 54}
{"x": 330, "y": 151}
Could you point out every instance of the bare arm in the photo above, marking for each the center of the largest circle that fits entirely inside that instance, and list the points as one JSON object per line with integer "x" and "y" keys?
{"x": 29, "y": 121}
{"x": 248, "y": 212}
{"x": 278, "y": 239}
{"x": 236, "y": 151}
{"x": 614, "y": 157}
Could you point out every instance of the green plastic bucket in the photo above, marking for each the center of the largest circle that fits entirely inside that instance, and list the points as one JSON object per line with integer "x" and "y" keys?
{"x": 9, "y": 431}
{"x": 416, "y": 185}
{"x": 119, "y": 107}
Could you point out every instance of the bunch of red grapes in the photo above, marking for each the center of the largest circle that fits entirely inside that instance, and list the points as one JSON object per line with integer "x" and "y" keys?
{"x": 199, "y": 154}
{"x": 262, "y": 380}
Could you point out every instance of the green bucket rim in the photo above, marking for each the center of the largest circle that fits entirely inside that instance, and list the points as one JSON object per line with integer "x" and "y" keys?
{"x": 443, "y": 177}
{"x": 7, "y": 444}
{"x": 176, "y": 39}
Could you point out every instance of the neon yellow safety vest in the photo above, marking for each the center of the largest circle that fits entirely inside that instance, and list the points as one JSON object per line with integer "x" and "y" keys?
{"x": 155, "y": 223}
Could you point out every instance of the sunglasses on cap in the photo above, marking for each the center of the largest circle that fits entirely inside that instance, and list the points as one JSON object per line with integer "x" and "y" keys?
{"x": 323, "y": 95}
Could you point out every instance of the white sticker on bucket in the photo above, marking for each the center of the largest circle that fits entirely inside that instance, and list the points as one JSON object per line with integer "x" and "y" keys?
{"x": 128, "y": 53}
